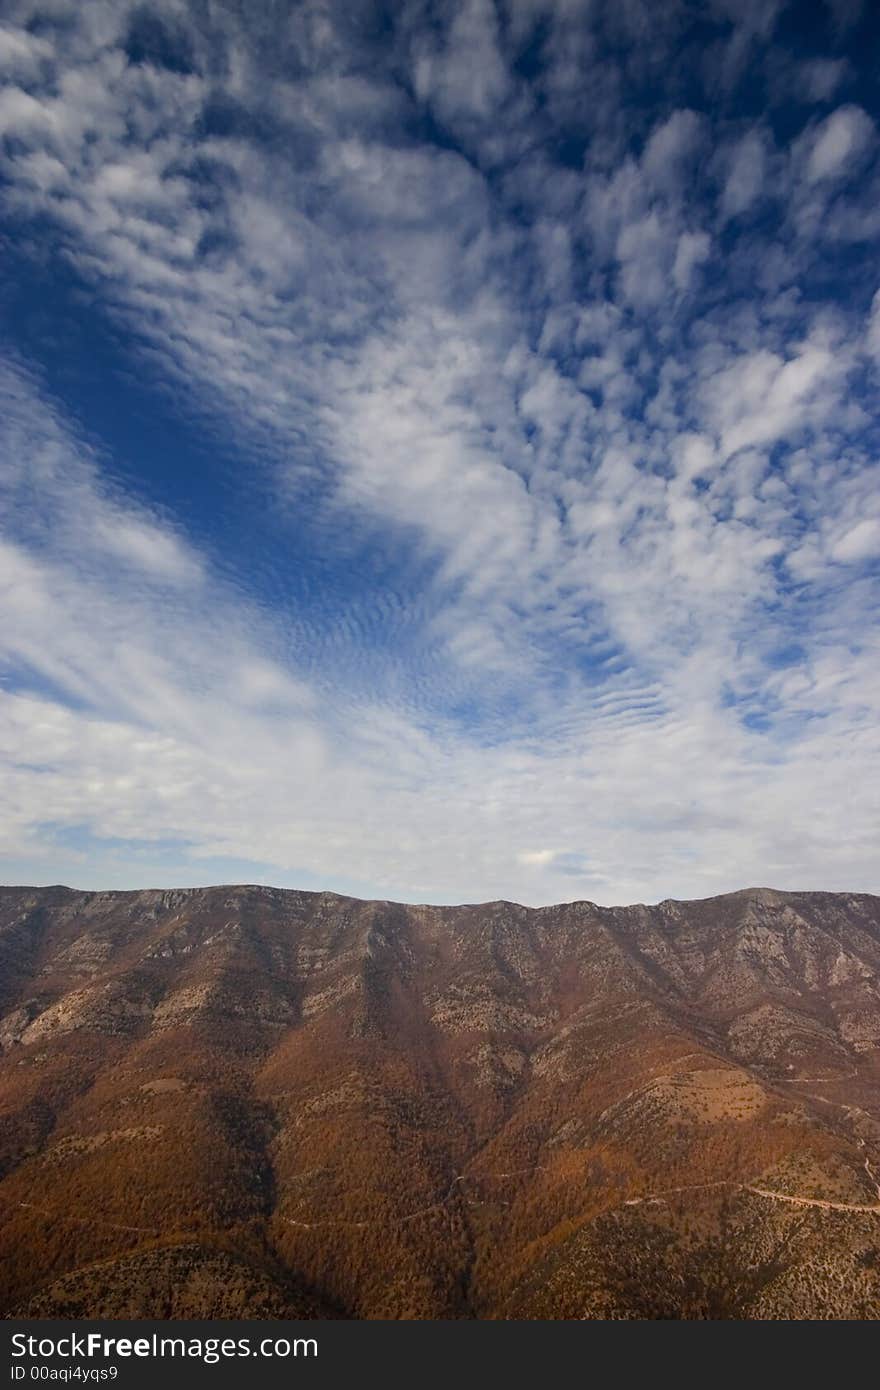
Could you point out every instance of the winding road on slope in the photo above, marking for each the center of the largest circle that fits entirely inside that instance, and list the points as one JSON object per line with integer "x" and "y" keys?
{"x": 822, "y": 1202}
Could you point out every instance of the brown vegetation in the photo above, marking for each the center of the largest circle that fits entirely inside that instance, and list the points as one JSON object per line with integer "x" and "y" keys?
{"x": 248, "y": 1102}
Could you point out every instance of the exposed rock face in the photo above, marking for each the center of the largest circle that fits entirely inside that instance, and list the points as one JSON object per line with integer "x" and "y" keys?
{"x": 247, "y": 1101}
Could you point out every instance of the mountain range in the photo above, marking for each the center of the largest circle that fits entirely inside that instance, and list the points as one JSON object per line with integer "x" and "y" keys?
{"x": 254, "y": 1102}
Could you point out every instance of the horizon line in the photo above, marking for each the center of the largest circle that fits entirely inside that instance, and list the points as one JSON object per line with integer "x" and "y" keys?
{"x": 451, "y": 907}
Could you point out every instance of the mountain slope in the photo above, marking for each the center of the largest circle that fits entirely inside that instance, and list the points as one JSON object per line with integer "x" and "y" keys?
{"x": 251, "y": 1102}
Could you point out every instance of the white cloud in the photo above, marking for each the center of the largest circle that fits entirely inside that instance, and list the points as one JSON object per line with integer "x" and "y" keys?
{"x": 539, "y": 857}
{"x": 464, "y": 76}
{"x": 860, "y": 542}
{"x": 840, "y": 139}
{"x": 821, "y": 77}
{"x": 873, "y": 333}
{"x": 670, "y": 147}
{"x": 144, "y": 546}
{"x": 178, "y": 732}
{"x": 745, "y": 177}
{"x": 22, "y": 53}
{"x": 693, "y": 249}
{"x": 762, "y": 397}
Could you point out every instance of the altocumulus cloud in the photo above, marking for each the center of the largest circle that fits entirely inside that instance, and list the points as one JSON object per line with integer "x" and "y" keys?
{"x": 438, "y": 446}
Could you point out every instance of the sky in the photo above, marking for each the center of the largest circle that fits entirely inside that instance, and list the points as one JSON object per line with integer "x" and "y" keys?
{"x": 439, "y": 446}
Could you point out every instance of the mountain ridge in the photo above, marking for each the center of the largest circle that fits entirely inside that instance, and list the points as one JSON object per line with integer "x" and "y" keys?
{"x": 754, "y": 890}
{"x": 239, "y": 1098}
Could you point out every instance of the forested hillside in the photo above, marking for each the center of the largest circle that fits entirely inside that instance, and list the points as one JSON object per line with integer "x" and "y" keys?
{"x": 255, "y": 1102}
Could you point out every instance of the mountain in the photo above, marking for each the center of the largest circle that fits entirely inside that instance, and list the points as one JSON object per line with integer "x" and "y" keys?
{"x": 248, "y": 1102}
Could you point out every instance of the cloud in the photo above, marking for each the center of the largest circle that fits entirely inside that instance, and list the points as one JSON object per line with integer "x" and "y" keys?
{"x": 822, "y": 77}
{"x": 693, "y": 249}
{"x": 761, "y": 397}
{"x": 538, "y": 856}
{"x": 671, "y": 147}
{"x": 745, "y": 177}
{"x": 464, "y": 75}
{"x": 548, "y": 395}
{"x": 860, "y": 542}
{"x": 840, "y": 139}
{"x": 53, "y": 492}
{"x": 873, "y": 334}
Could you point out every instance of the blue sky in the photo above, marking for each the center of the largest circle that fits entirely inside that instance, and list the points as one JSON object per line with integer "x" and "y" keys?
{"x": 439, "y": 446}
